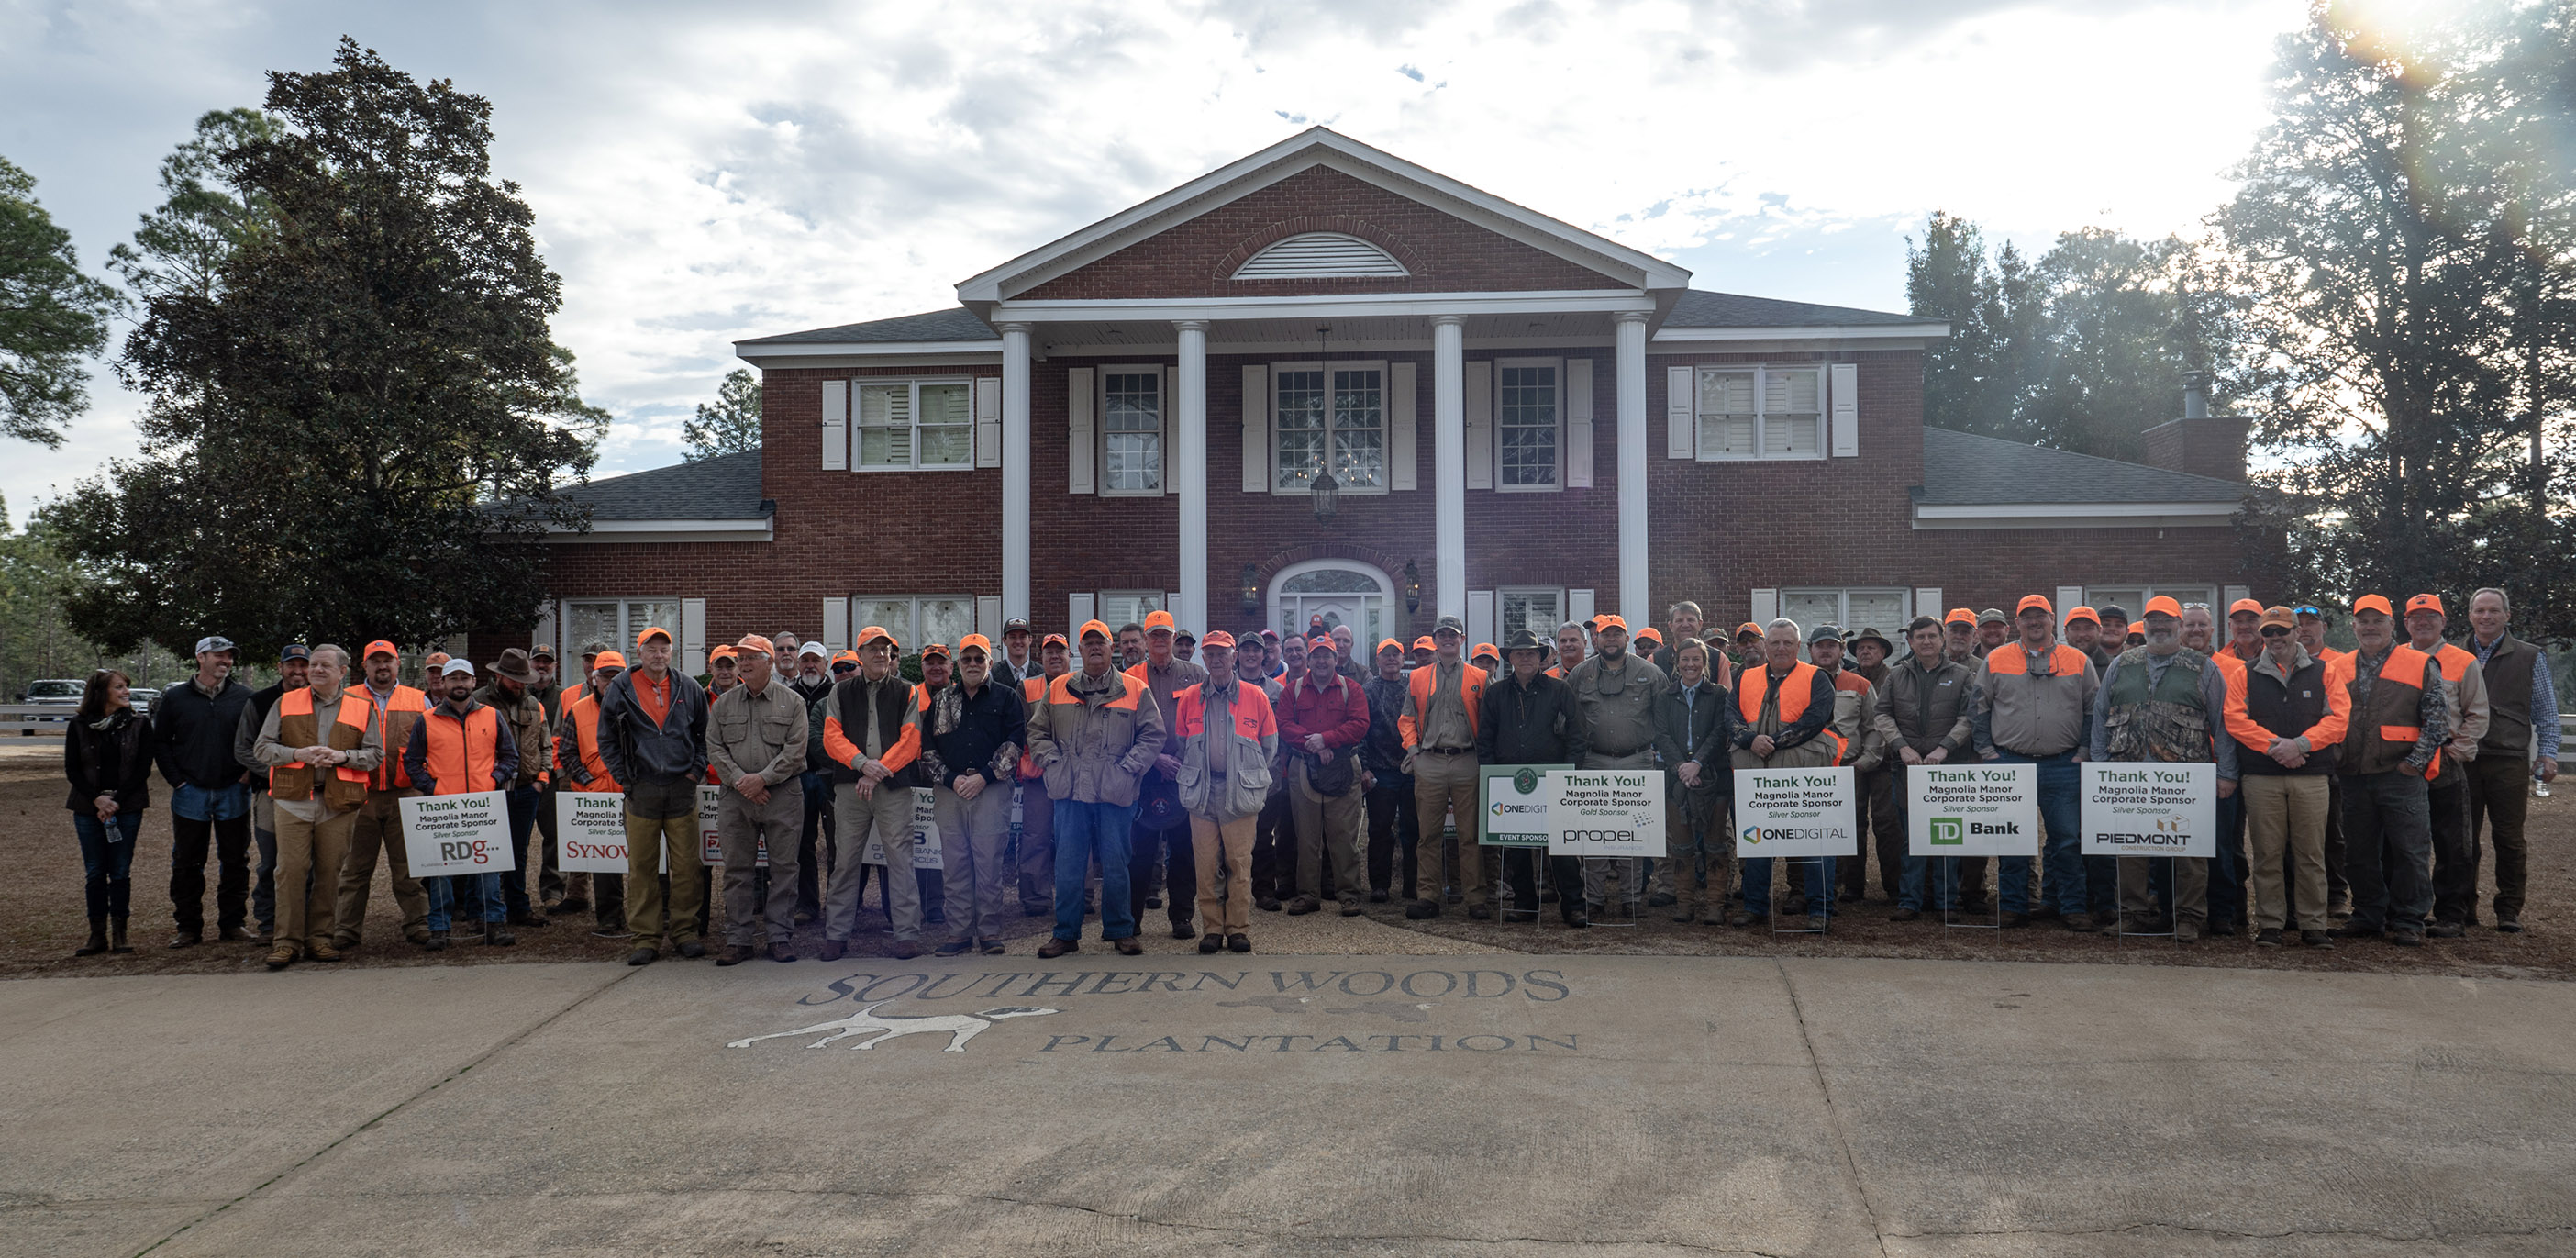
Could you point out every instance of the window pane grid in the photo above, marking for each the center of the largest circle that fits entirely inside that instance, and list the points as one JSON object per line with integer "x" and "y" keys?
{"x": 1525, "y": 425}
{"x": 1132, "y": 421}
{"x": 1338, "y": 423}
{"x": 916, "y": 424}
{"x": 1761, "y": 412}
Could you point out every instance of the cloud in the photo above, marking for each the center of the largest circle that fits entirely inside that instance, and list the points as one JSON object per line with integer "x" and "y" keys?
{"x": 702, "y": 176}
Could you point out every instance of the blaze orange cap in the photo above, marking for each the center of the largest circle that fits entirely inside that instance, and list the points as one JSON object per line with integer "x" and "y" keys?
{"x": 2165, "y": 603}
{"x": 1960, "y": 616}
{"x": 431, "y": 661}
{"x": 1160, "y": 620}
{"x": 2244, "y": 605}
{"x": 845, "y": 657}
{"x": 607, "y": 659}
{"x": 651, "y": 632}
{"x": 2278, "y": 618}
{"x": 2074, "y": 614}
{"x": 977, "y": 641}
{"x": 379, "y": 647}
{"x": 1054, "y": 639}
{"x": 874, "y": 632}
{"x": 939, "y": 649}
{"x": 2039, "y": 601}
{"x": 1600, "y": 623}
{"x": 755, "y": 643}
{"x": 1384, "y": 643}
{"x": 1217, "y": 638}
{"x": 1748, "y": 627}
{"x": 1090, "y": 627}
{"x": 1650, "y": 634}
{"x": 1424, "y": 643}
{"x": 2424, "y": 603}
{"x": 722, "y": 653}
{"x": 2372, "y": 603}
{"x": 1484, "y": 649}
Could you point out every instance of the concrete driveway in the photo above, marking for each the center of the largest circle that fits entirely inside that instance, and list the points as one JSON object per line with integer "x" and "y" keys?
{"x": 1483, "y": 1104}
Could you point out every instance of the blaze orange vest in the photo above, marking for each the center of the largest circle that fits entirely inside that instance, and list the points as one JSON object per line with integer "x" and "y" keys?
{"x": 1471, "y": 686}
{"x": 1795, "y": 690}
{"x": 585, "y": 728}
{"x": 347, "y": 787}
{"x": 395, "y": 717}
{"x": 461, "y": 751}
{"x": 2063, "y": 660}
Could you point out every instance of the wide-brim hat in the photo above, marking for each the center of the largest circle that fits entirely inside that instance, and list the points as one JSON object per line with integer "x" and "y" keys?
{"x": 513, "y": 665}
{"x": 1523, "y": 640}
{"x": 1873, "y": 635}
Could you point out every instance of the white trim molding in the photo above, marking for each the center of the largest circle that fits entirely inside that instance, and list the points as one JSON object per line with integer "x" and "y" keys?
{"x": 1333, "y": 306}
{"x": 754, "y": 529}
{"x": 2060, "y": 515}
{"x": 1672, "y": 340}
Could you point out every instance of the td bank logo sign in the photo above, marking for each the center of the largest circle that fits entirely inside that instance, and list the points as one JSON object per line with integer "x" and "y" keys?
{"x": 1948, "y": 832}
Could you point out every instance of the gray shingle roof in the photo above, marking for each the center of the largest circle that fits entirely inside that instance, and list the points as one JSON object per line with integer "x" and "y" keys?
{"x": 726, "y": 487}
{"x": 1697, "y": 309}
{"x": 936, "y": 325}
{"x": 1963, "y": 469}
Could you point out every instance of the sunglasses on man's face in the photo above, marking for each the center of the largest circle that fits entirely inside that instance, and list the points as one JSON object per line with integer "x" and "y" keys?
{"x": 844, "y": 668}
{"x": 2276, "y": 632}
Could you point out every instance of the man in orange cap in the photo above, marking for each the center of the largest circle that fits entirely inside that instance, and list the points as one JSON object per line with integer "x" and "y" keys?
{"x": 2161, "y": 704}
{"x": 873, "y": 730}
{"x": 1388, "y": 788}
{"x": 1323, "y": 717}
{"x": 1094, "y": 738}
{"x": 1959, "y": 636}
{"x": 1159, "y": 844}
{"x": 2032, "y": 703}
{"x": 2287, "y": 713}
{"x": 756, "y": 735}
{"x": 2401, "y": 720}
{"x": 379, "y": 828}
{"x": 1619, "y": 700}
{"x": 1420, "y": 654}
{"x": 653, "y": 723}
{"x": 1784, "y": 711}
{"x": 2083, "y": 629}
{"x": 1037, "y": 815}
{"x": 1228, "y": 738}
{"x": 584, "y": 768}
{"x": 1437, "y": 726}
{"x": 971, "y": 741}
{"x": 2464, "y": 687}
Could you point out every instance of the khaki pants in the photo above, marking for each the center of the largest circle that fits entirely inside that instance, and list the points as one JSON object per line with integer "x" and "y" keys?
{"x": 973, "y": 835}
{"x": 1225, "y": 898}
{"x": 307, "y": 915}
{"x": 2190, "y": 888}
{"x": 378, "y": 827}
{"x": 2287, "y": 812}
{"x": 740, "y": 826}
{"x": 887, "y": 815}
{"x": 1441, "y": 784}
{"x": 647, "y": 840}
{"x": 1329, "y": 823}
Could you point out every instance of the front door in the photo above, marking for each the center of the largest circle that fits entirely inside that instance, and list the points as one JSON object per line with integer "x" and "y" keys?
{"x": 1340, "y": 595}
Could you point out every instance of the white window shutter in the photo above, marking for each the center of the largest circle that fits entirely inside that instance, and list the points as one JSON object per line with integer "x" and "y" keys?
{"x": 1078, "y": 609}
{"x": 2069, "y": 597}
{"x": 836, "y": 624}
{"x": 988, "y": 421}
{"x": 1480, "y": 617}
{"x": 1081, "y": 449}
{"x": 1766, "y": 607}
{"x": 1681, "y": 424}
{"x": 836, "y": 425}
{"x": 545, "y": 634}
{"x": 1172, "y": 604}
{"x": 1927, "y": 601}
{"x": 693, "y": 635}
{"x": 1256, "y": 430}
{"x": 1578, "y": 423}
{"x": 988, "y": 616}
{"x": 1171, "y": 428}
{"x": 1578, "y": 607}
{"x": 1399, "y": 417}
{"x": 1480, "y": 425}
{"x": 1845, "y": 400}
{"x": 2227, "y": 596}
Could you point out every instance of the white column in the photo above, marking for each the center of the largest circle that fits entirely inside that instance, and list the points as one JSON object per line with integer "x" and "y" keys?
{"x": 1015, "y": 469}
{"x": 1449, "y": 472}
{"x": 1633, "y": 604}
{"x": 1189, "y": 475}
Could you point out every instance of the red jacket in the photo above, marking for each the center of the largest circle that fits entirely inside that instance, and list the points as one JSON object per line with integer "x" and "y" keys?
{"x": 1339, "y": 712}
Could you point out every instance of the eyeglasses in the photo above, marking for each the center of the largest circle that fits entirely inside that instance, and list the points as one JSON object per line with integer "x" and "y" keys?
{"x": 2195, "y": 607}
{"x": 845, "y": 668}
{"x": 2276, "y": 632}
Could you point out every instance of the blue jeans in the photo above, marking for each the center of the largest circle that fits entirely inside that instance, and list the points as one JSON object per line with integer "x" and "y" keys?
{"x": 108, "y": 862}
{"x": 1819, "y": 884}
{"x": 443, "y": 896}
{"x": 196, "y": 803}
{"x": 2061, "y": 853}
{"x": 523, "y": 802}
{"x": 1082, "y": 832}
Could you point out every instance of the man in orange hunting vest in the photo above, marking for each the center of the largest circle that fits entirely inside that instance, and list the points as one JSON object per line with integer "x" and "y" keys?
{"x": 462, "y": 747}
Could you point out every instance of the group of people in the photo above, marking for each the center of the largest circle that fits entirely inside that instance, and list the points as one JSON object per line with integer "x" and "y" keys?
{"x": 1150, "y": 767}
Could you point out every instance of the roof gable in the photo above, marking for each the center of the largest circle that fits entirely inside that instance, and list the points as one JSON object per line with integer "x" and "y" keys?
{"x": 1600, "y": 262}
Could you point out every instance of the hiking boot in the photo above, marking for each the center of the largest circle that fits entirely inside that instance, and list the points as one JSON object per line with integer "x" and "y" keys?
{"x": 434, "y": 941}
{"x": 97, "y": 939}
{"x": 1377, "y": 897}
{"x": 696, "y": 948}
{"x": 1480, "y": 912}
{"x": 1817, "y": 921}
{"x": 1742, "y": 918}
{"x": 2316, "y": 939}
{"x": 1906, "y": 915}
{"x": 1421, "y": 910}
{"x": 734, "y": 954}
{"x": 2509, "y": 925}
{"x": 2445, "y": 930}
{"x": 2351, "y": 931}
{"x": 2224, "y": 929}
{"x": 906, "y": 949}
{"x": 1183, "y": 930}
{"x": 2407, "y": 939}
{"x": 528, "y": 919}
{"x": 993, "y": 948}
{"x": 231, "y": 934}
{"x": 1686, "y": 914}
{"x": 833, "y": 948}
{"x": 281, "y": 956}
{"x": 646, "y": 955}
{"x": 954, "y": 948}
{"x": 1267, "y": 903}
{"x": 1794, "y": 905}
{"x": 1238, "y": 942}
{"x": 1129, "y": 946}
{"x": 1211, "y": 944}
{"x": 495, "y": 937}
{"x": 2186, "y": 931}
{"x": 1661, "y": 899}
{"x": 321, "y": 952}
{"x": 2012, "y": 920}
{"x": 1303, "y": 905}
{"x": 1153, "y": 901}
{"x": 778, "y": 952}
{"x": 1578, "y": 919}
{"x": 1054, "y": 948}
{"x": 117, "y": 942}
{"x": 2080, "y": 923}
{"x": 2268, "y": 937}
{"x": 186, "y": 939}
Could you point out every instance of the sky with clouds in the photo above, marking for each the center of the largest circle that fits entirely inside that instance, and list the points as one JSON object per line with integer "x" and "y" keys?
{"x": 701, "y": 175}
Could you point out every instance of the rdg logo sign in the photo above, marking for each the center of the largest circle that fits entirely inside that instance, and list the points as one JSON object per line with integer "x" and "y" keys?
{"x": 472, "y": 851}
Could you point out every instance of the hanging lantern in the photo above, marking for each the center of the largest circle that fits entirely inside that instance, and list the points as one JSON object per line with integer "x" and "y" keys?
{"x": 1328, "y": 498}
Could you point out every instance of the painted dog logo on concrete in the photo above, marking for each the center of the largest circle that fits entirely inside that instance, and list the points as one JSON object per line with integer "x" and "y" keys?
{"x": 960, "y": 1027}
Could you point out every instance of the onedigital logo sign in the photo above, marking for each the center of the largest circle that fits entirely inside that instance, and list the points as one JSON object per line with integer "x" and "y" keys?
{"x": 1753, "y": 836}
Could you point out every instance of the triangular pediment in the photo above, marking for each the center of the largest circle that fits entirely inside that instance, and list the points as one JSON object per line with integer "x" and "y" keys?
{"x": 1435, "y": 234}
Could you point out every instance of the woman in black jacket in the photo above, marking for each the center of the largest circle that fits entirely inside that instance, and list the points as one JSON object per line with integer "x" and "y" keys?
{"x": 107, "y": 754}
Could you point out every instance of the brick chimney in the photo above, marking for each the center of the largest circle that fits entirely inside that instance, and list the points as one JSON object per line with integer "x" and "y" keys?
{"x": 2199, "y": 443}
